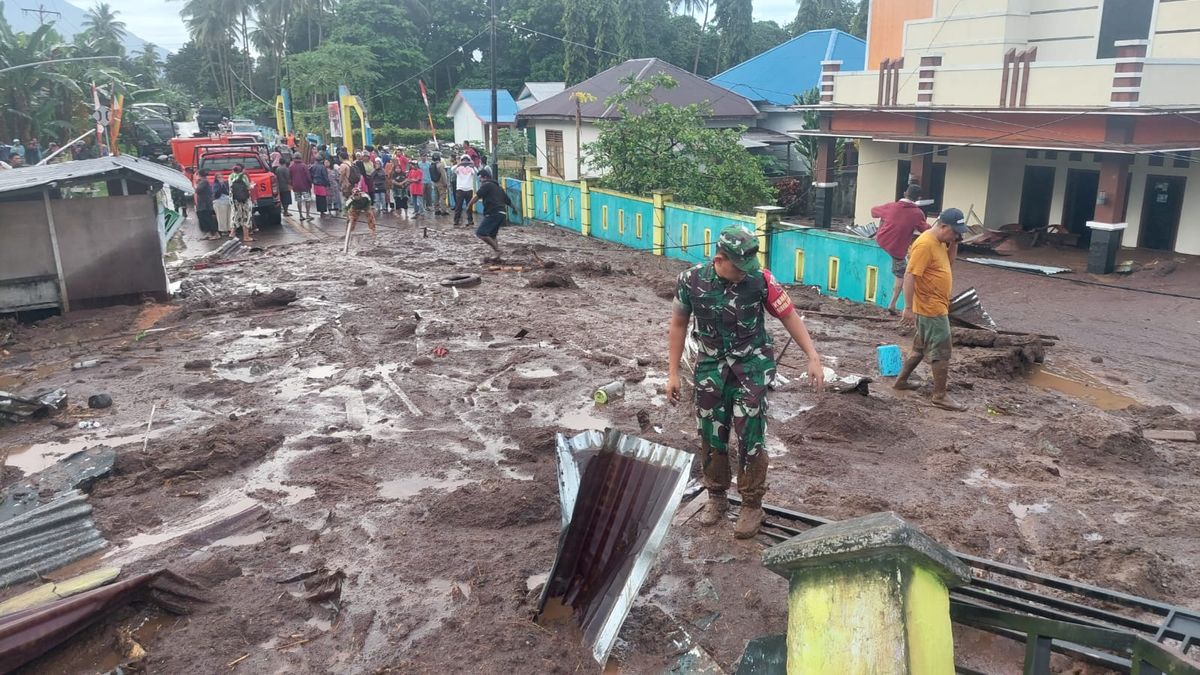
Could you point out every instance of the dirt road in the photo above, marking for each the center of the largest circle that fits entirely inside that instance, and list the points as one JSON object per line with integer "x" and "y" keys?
{"x": 419, "y": 488}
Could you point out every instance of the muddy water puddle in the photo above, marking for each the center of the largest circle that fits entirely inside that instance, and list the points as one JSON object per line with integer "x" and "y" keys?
{"x": 38, "y": 456}
{"x": 1078, "y": 384}
{"x": 405, "y": 488}
{"x": 583, "y": 420}
{"x": 210, "y": 514}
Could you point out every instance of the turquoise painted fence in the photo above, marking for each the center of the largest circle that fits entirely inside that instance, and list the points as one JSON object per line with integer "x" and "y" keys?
{"x": 841, "y": 265}
{"x": 691, "y": 231}
{"x": 622, "y": 219}
{"x": 513, "y": 187}
{"x": 559, "y": 203}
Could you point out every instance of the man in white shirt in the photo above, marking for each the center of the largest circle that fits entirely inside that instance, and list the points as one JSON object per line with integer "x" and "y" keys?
{"x": 464, "y": 189}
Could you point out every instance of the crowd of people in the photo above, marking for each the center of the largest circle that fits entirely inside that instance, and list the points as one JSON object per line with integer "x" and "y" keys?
{"x": 18, "y": 154}
{"x": 359, "y": 186}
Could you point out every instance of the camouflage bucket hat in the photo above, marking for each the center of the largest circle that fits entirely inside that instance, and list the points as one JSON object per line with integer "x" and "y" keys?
{"x": 741, "y": 247}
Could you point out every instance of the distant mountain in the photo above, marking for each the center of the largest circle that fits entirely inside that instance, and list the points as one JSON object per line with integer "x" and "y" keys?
{"x": 68, "y": 24}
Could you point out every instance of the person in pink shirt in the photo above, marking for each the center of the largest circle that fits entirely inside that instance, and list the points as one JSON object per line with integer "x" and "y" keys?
{"x": 899, "y": 223}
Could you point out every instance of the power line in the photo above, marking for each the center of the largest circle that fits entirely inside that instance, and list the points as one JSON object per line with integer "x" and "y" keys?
{"x": 429, "y": 67}
{"x": 41, "y": 11}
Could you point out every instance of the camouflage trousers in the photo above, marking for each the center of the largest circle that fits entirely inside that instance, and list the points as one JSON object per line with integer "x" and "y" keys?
{"x": 731, "y": 395}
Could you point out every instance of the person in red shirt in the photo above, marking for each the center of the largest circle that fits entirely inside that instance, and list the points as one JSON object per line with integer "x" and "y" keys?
{"x": 472, "y": 153}
{"x": 899, "y": 222}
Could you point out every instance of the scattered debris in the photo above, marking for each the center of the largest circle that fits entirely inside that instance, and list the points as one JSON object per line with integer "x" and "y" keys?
{"x": 29, "y": 633}
{"x": 1182, "y": 435}
{"x": 865, "y": 231}
{"x": 100, "y": 401}
{"x": 46, "y": 538}
{"x": 324, "y": 586}
{"x": 79, "y": 470}
{"x": 613, "y": 391}
{"x": 625, "y": 518}
{"x": 56, "y": 590}
{"x": 967, "y": 310}
{"x": 1019, "y": 266}
{"x": 553, "y": 280}
{"x": 440, "y": 351}
{"x": 15, "y": 408}
{"x": 279, "y": 297}
{"x": 82, "y": 365}
{"x": 643, "y": 419}
{"x": 461, "y": 281}
{"x": 360, "y": 282}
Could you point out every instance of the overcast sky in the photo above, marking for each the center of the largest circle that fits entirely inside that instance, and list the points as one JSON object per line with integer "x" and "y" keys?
{"x": 159, "y": 21}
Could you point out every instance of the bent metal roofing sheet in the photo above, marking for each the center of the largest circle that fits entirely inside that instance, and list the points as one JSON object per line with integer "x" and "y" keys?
{"x": 31, "y": 177}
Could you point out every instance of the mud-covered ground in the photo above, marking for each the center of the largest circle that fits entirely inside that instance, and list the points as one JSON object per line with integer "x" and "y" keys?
{"x": 409, "y": 509}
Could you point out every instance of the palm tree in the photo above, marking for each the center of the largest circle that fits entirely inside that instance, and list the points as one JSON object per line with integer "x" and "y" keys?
{"x": 39, "y": 98}
{"x": 149, "y": 64}
{"x": 211, "y": 27}
{"x": 692, "y": 7}
{"x": 107, "y": 33}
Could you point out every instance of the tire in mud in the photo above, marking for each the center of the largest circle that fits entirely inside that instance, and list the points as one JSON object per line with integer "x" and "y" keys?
{"x": 461, "y": 281}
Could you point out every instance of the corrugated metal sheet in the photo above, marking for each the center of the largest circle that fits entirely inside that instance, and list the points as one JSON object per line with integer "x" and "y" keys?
{"x": 47, "y": 538}
{"x": 90, "y": 169}
{"x": 618, "y": 496}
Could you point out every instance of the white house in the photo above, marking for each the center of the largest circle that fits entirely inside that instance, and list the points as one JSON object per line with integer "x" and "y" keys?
{"x": 471, "y": 111}
{"x": 553, "y": 119}
{"x": 535, "y": 92}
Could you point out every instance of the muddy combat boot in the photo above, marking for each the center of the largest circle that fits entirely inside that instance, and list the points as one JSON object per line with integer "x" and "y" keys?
{"x": 750, "y": 518}
{"x": 941, "y": 375}
{"x": 714, "y": 511}
{"x": 902, "y": 383}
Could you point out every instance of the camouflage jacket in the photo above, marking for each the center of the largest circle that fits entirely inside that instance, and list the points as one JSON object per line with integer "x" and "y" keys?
{"x": 730, "y": 319}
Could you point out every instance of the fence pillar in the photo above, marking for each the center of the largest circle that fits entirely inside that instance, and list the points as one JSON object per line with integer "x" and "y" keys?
{"x": 528, "y": 201}
{"x": 661, "y": 199}
{"x": 585, "y": 208}
{"x": 825, "y": 180}
{"x": 868, "y": 595}
{"x": 765, "y": 220}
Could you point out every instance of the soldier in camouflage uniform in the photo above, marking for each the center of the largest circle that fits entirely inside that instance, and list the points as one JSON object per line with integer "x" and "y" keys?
{"x": 728, "y": 297}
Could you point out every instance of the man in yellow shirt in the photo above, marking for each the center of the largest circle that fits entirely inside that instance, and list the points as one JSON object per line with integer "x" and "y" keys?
{"x": 927, "y": 283}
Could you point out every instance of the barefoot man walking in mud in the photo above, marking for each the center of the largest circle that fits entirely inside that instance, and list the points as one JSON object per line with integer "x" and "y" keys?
{"x": 728, "y": 297}
{"x": 927, "y": 284}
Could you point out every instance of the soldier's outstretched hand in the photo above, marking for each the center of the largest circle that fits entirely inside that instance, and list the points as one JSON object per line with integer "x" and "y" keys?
{"x": 816, "y": 373}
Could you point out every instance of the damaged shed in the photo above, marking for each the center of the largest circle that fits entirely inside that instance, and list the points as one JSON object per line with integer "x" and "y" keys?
{"x": 86, "y": 233}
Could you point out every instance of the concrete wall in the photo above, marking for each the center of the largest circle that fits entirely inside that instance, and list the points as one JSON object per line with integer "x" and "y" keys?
{"x": 876, "y": 177}
{"x": 1180, "y": 15}
{"x": 589, "y": 134}
{"x": 467, "y": 127}
{"x": 967, "y": 179}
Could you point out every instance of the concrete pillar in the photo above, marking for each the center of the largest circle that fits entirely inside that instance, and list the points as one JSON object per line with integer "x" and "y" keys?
{"x": 921, "y": 166}
{"x": 661, "y": 199}
{"x": 829, "y": 71}
{"x": 1108, "y": 227}
{"x": 824, "y": 181}
{"x": 1127, "y": 76}
{"x": 868, "y": 595}
{"x": 765, "y": 220}
{"x": 528, "y": 200}
{"x": 928, "y": 70}
{"x": 585, "y": 208}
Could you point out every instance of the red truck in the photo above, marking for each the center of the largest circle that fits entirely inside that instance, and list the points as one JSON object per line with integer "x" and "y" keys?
{"x": 220, "y": 154}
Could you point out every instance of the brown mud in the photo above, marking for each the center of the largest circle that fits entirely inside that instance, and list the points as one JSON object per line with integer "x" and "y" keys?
{"x": 394, "y": 441}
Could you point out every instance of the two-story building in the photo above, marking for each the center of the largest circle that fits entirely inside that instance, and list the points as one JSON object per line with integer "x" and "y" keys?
{"x": 1081, "y": 113}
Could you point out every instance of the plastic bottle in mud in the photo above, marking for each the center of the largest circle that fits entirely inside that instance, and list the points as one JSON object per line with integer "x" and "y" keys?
{"x": 609, "y": 392}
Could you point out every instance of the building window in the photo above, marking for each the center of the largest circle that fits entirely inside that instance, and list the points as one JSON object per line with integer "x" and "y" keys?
{"x": 799, "y": 275}
{"x": 1051, "y": 154}
{"x": 1156, "y": 159}
{"x": 571, "y": 208}
{"x": 1123, "y": 20}
{"x": 621, "y": 221}
{"x": 943, "y": 151}
{"x": 1182, "y": 159}
{"x": 834, "y": 264}
{"x": 683, "y": 237}
{"x": 707, "y": 242}
{"x": 1096, "y": 157}
{"x": 872, "y": 283}
{"x": 1075, "y": 157}
{"x": 557, "y": 206}
{"x": 554, "y": 153}
{"x": 903, "y": 148}
{"x": 1031, "y": 154}
{"x": 604, "y": 218}
{"x": 637, "y": 224}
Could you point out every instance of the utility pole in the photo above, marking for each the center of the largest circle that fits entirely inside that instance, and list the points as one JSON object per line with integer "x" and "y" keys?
{"x": 41, "y": 11}
{"x": 494, "y": 136}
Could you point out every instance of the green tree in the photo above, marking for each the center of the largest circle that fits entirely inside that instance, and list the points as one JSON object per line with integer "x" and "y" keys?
{"x": 858, "y": 24}
{"x": 734, "y": 19}
{"x": 693, "y": 7}
{"x": 35, "y": 100}
{"x": 663, "y": 146}
{"x": 324, "y": 68}
{"x": 147, "y": 67}
{"x": 766, "y": 35}
{"x": 820, "y": 14}
{"x": 577, "y": 57}
{"x": 103, "y": 30}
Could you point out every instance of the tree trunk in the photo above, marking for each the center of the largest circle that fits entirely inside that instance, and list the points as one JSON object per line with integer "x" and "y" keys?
{"x": 700, "y": 39}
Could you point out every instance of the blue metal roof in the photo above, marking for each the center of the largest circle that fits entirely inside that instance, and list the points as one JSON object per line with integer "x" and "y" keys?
{"x": 781, "y": 73}
{"x": 480, "y": 102}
